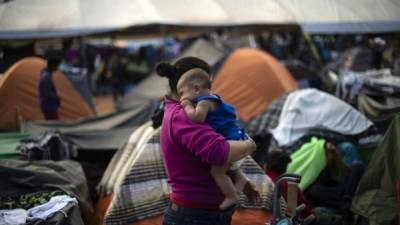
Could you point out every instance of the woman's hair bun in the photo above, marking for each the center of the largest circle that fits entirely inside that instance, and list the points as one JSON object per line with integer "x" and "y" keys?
{"x": 165, "y": 69}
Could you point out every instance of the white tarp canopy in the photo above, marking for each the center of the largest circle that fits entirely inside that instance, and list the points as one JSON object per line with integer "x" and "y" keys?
{"x": 345, "y": 16}
{"x": 21, "y": 19}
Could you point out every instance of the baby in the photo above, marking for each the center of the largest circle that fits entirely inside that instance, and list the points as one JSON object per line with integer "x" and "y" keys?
{"x": 201, "y": 105}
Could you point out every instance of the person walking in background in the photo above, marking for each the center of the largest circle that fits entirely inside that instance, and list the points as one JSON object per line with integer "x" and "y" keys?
{"x": 49, "y": 100}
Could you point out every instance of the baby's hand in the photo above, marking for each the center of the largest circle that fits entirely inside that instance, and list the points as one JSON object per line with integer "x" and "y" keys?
{"x": 185, "y": 102}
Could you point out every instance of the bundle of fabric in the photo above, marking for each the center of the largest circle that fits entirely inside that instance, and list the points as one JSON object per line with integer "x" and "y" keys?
{"x": 33, "y": 184}
{"x": 376, "y": 199}
{"x": 60, "y": 209}
{"x": 47, "y": 146}
{"x": 143, "y": 192}
{"x": 374, "y": 92}
{"x": 310, "y": 112}
{"x": 355, "y": 59}
{"x": 374, "y": 82}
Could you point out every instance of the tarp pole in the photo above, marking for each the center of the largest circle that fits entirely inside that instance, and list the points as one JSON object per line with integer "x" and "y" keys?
{"x": 312, "y": 47}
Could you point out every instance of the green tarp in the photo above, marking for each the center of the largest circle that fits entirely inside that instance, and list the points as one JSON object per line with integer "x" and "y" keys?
{"x": 308, "y": 161}
{"x": 375, "y": 198}
{"x": 9, "y": 142}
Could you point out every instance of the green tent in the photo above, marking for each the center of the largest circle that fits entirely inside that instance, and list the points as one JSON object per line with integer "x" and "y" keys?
{"x": 376, "y": 196}
{"x": 9, "y": 142}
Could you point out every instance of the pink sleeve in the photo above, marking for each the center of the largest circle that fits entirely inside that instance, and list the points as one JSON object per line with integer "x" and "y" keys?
{"x": 201, "y": 139}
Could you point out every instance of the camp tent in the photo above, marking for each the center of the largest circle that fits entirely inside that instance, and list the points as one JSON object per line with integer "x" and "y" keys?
{"x": 376, "y": 199}
{"x": 155, "y": 87}
{"x": 20, "y": 96}
{"x": 250, "y": 80}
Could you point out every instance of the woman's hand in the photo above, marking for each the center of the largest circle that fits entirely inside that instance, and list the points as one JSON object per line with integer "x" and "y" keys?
{"x": 251, "y": 144}
{"x": 240, "y": 149}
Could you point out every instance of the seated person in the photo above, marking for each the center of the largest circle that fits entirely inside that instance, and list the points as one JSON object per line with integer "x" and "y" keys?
{"x": 276, "y": 163}
{"x": 335, "y": 186}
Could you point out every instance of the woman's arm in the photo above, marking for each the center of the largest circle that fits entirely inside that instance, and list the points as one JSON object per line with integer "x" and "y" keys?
{"x": 240, "y": 149}
{"x": 210, "y": 146}
{"x": 196, "y": 113}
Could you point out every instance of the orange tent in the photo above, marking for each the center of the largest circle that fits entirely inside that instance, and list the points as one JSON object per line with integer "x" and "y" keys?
{"x": 19, "y": 95}
{"x": 250, "y": 80}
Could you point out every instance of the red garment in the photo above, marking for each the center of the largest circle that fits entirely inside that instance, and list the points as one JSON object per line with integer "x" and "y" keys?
{"x": 300, "y": 196}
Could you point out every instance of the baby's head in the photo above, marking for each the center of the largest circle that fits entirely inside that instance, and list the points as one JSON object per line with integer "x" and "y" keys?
{"x": 193, "y": 83}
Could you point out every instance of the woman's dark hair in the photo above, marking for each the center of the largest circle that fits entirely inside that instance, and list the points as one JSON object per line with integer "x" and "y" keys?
{"x": 277, "y": 161}
{"x": 174, "y": 71}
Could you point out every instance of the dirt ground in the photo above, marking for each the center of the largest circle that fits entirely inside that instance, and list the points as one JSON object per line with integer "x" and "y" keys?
{"x": 104, "y": 104}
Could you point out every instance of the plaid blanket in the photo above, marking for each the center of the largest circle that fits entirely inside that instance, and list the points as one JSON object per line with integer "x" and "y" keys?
{"x": 269, "y": 119}
{"x": 124, "y": 158}
{"x": 144, "y": 191}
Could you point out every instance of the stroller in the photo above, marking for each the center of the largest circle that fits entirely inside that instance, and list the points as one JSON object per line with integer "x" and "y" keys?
{"x": 295, "y": 218}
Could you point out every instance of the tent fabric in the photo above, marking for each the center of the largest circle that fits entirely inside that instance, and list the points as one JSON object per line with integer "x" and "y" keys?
{"x": 143, "y": 190}
{"x": 125, "y": 157}
{"x": 308, "y": 162}
{"x": 398, "y": 199}
{"x": 80, "y": 83}
{"x": 20, "y": 95}
{"x": 107, "y": 132}
{"x": 20, "y": 19}
{"x": 78, "y": 18}
{"x": 376, "y": 199}
{"x": 342, "y": 16}
{"x": 310, "y": 108}
{"x": 250, "y": 80}
{"x": 379, "y": 109}
{"x": 155, "y": 87}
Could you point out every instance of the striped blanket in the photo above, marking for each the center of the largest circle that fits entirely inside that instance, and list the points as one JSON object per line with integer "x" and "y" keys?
{"x": 144, "y": 191}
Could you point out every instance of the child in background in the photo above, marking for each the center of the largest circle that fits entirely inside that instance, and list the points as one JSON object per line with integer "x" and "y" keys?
{"x": 201, "y": 105}
{"x": 275, "y": 165}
